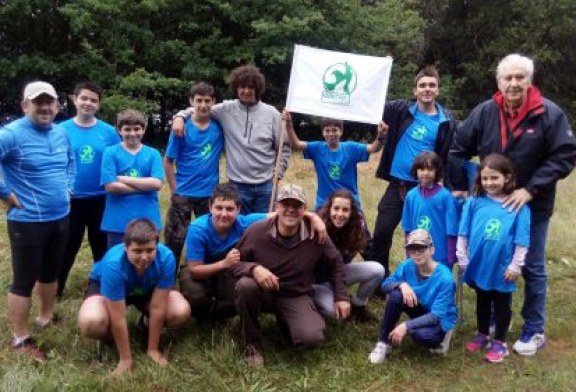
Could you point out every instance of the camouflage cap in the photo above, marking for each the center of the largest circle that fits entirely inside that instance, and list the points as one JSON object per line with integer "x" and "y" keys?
{"x": 419, "y": 237}
{"x": 291, "y": 191}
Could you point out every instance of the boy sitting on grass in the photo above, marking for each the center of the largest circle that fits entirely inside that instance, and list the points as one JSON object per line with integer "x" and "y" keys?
{"x": 140, "y": 272}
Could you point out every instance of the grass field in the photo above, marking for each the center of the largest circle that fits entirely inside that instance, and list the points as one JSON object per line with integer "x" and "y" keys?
{"x": 205, "y": 359}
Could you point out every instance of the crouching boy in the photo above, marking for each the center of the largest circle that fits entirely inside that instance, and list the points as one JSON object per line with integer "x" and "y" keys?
{"x": 139, "y": 272}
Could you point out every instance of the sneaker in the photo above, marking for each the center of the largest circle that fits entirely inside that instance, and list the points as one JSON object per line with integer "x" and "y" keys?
{"x": 497, "y": 352}
{"x": 253, "y": 356}
{"x": 529, "y": 343}
{"x": 362, "y": 314}
{"x": 444, "y": 346}
{"x": 29, "y": 347}
{"x": 43, "y": 324}
{"x": 478, "y": 343}
{"x": 378, "y": 355}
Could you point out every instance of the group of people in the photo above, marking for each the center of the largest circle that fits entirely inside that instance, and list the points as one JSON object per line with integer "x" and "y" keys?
{"x": 247, "y": 254}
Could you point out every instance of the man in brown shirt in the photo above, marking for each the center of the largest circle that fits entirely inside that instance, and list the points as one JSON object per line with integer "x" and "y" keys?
{"x": 276, "y": 275}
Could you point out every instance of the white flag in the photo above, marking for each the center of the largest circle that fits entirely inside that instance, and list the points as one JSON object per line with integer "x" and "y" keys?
{"x": 339, "y": 85}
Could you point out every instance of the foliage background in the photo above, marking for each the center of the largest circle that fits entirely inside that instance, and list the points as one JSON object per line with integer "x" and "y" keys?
{"x": 145, "y": 53}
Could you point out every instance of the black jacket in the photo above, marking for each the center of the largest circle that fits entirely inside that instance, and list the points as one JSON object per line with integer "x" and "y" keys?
{"x": 398, "y": 116}
{"x": 542, "y": 154}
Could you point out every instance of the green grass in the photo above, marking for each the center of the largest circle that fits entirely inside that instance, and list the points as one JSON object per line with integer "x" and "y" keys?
{"x": 205, "y": 359}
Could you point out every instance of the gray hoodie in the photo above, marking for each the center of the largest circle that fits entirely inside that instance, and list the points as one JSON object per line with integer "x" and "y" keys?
{"x": 252, "y": 135}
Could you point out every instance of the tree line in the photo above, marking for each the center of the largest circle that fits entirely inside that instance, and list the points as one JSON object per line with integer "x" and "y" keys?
{"x": 145, "y": 53}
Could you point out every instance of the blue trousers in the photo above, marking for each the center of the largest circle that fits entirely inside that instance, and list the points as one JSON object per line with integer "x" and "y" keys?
{"x": 535, "y": 279}
{"x": 254, "y": 197}
{"x": 429, "y": 335}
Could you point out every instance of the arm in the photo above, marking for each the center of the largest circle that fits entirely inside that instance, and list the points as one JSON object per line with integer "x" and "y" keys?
{"x": 295, "y": 143}
{"x": 158, "y": 305}
{"x": 377, "y": 144}
{"x": 179, "y": 119}
{"x": 170, "y": 174}
{"x": 200, "y": 270}
{"x": 141, "y": 184}
{"x": 514, "y": 270}
{"x": 462, "y": 252}
{"x": 118, "y": 188}
{"x": 119, "y": 328}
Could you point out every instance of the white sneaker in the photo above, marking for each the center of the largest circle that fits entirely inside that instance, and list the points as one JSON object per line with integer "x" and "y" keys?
{"x": 444, "y": 346}
{"x": 529, "y": 345}
{"x": 378, "y": 355}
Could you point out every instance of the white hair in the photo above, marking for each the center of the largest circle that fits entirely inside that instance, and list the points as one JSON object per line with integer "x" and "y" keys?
{"x": 524, "y": 62}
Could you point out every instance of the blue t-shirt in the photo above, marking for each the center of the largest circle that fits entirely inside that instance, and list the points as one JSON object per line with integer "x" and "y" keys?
{"x": 38, "y": 167}
{"x": 435, "y": 293}
{"x": 420, "y": 136}
{"x": 336, "y": 169}
{"x": 88, "y": 144}
{"x": 118, "y": 278}
{"x": 197, "y": 156}
{"x": 204, "y": 244}
{"x": 122, "y": 208}
{"x": 437, "y": 214}
{"x": 492, "y": 233}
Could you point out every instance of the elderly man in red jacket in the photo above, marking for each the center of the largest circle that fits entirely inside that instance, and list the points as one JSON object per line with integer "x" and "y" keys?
{"x": 535, "y": 135}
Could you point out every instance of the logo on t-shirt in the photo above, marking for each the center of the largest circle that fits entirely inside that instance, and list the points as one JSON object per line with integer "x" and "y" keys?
{"x": 133, "y": 173}
{"x": 493, "y": 229}
{"x": 206, "y": 151}
{"x": 419, "y": 132}
{"x": 86, "y": 154}
{"x": 136, "y": 292}
{"x": 424, "y": 222}
{"x": 335, "y": 172}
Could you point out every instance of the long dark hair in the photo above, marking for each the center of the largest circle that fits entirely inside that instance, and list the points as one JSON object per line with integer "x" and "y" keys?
{"x": 350, "y": 238}
{"x": 501, "y": 164}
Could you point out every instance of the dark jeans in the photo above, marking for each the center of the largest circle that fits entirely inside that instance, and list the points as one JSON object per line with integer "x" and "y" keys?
{"x": 37, "y": 251}
{"x": 178, "y": 219}
{"x": 211, "y": 298}
{"x": 254, "y": 197}
{"x": 502, "y": 303}
{"x": 429, "y": 335}
{"x": 297, "y": 316}
{"x": 388, "y": 218}
{"x": 535, "y": 279}
{"x": 85, "y": 213}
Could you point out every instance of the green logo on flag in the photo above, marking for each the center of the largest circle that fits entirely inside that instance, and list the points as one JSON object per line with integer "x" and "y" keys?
{"x": 339, "y": 82}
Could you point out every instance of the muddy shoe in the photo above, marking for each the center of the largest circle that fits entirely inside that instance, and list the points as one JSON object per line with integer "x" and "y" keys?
{"x": 30, "y": 348}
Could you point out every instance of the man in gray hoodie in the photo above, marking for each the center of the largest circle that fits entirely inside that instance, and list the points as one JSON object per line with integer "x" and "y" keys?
{"x": 252, "y": 137}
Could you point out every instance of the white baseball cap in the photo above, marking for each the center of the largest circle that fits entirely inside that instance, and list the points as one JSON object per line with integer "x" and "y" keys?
{"x": 35, "y": 89}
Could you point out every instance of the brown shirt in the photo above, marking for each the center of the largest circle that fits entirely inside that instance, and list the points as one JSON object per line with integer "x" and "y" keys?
{"x": 293, "y": 261}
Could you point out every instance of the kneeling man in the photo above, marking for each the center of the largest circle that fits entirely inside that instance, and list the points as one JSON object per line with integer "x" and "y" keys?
{"x": 139, "y": 272}
{"x": 276, "y": 275}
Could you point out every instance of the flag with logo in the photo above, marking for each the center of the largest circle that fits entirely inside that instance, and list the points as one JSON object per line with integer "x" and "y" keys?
{"x": 339, "y": 85}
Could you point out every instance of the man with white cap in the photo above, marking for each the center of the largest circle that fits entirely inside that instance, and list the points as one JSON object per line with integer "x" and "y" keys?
{"x": 276, "y": 272}
{"x": 38, "y": 167}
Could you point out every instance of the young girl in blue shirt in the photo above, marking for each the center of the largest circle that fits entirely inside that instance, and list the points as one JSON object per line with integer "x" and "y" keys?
{"x": 491, "y": 248}
{"x": 431, "y": 207}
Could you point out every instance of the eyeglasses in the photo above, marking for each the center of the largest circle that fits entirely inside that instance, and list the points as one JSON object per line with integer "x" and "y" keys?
{"x": 417, "y": 248}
